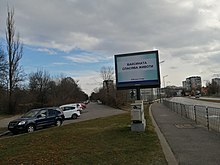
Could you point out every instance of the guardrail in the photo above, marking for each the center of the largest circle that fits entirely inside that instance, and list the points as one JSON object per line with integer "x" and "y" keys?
{"x": 207, "y": 116}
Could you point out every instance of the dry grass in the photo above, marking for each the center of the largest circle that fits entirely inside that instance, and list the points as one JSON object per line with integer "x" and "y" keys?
{"x": 100, "y": 141}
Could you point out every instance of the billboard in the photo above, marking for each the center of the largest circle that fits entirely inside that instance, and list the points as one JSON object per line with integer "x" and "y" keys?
{"x": 137, "y": 70}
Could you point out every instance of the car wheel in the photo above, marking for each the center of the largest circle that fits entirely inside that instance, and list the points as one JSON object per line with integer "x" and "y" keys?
{"x": 58, "y": 123}
{"x": 74, "y": 116}
{"x": 30, "y": 128}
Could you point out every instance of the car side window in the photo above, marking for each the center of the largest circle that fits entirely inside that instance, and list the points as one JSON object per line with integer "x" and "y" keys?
{"x": 43, "y": 113}
{"x": 51, "y": 112}
{"x": 65, "y": 108}
{"x": 57, "y": 112}
{"x": 68, "y": 108}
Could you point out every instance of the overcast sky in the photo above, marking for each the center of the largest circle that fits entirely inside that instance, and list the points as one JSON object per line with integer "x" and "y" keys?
{"x": 77, "y": 37}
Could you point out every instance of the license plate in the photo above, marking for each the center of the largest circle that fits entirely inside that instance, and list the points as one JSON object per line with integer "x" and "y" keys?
{"x": 11, "y": 126}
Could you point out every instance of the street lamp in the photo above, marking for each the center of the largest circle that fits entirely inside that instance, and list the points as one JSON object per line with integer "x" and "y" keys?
{"x": 159, "y": 89}
{"x": 164, "y": 80}
{"x": 161, "y": 61}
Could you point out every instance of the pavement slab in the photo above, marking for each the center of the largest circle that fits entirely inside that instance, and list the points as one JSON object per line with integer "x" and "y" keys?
{"x": 190, "y": 143}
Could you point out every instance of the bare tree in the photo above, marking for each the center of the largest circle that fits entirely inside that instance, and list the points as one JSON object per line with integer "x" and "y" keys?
{"x": 3, "y": 101}
{"x": 39, "y": 85}
{"x": 46, "y": 92}
{"x": 14, "y": 52}
{"x": 107, "y": 73}
{"x": 106, "y": 93}
{"x": 69, "y": 90}
{"x": 3, "y": 67}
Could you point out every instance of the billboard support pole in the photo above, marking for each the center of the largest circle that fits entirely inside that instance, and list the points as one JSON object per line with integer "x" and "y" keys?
{"x": 138, "y": 122}
{"x": 138, "y": 90}
{"x": 135, "y": 71}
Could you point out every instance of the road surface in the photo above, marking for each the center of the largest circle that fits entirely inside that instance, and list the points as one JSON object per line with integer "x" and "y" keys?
{"x": 94, "y": 111}
{"x": 188, "y": 101}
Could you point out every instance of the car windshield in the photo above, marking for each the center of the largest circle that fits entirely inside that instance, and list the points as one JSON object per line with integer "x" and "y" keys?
{"x": 30, "y": 114}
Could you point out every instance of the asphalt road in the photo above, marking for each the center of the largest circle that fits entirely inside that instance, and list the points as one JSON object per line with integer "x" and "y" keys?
{"x": 94, "y": 111}
{"x": 185, "y": 100}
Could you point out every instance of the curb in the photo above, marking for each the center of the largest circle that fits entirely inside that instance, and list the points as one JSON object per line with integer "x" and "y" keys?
{"x": 169, "y": 155}
{"x": 4, "y": 133}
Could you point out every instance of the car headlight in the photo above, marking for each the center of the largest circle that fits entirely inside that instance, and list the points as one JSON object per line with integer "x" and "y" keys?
{"x": 21, "y": 122}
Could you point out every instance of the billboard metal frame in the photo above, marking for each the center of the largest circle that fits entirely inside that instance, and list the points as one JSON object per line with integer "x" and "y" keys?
{"x": 138, "y": 84}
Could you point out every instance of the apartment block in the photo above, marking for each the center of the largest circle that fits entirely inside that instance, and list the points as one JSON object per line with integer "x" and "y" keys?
{"x": 216, "y": 80}
{"x": 192, "y": 83}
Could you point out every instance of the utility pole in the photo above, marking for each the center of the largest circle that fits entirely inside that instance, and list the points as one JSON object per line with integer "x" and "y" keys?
{"x": 164, "y": 85}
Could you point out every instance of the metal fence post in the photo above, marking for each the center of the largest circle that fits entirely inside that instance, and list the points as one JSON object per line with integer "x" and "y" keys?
{"x": 200, "y": 114}
{"x": 181, "y": 111}
{"x": 194, "y": 107}
{"x": 207, "y": 117}
{"x": 176, "y": 108}
{"x": 185, "y": 110}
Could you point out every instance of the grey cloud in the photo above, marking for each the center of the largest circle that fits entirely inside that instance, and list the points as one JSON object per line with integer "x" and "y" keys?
{"x": 155, "y": 23}
{"x": 184, "y": 31}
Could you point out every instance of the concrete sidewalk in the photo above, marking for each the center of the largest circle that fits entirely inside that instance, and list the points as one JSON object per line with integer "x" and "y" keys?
{"x": 189, "y": 143}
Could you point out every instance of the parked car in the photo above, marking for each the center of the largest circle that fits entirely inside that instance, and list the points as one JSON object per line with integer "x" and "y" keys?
{"x": 83, "y": 105}
{"x": 86, "y": 102}
{"x": 99, "y": 102}
{"x": 197, "y": 94}
{"x": 77, "y": 105}
{"x": 35, "y": 119}
{"x": 70, "y": 111}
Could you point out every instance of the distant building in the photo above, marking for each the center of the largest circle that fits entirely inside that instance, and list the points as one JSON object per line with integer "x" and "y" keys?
{"x": 187, "y": 84}
{"x": 149, "y": 94}
{"x": 173, "y": 91}
{"x": 192, "y": 84}
{"x": 216, "y": 80}
{"x": 146, "y": 94}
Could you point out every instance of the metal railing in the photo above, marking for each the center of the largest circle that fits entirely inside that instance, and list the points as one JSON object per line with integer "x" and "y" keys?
{"x": 207, "y": 116}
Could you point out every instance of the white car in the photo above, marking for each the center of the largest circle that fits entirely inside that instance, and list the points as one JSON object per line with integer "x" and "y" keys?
{"x": 99, "y": 102}
{"x": 70, "y": 111}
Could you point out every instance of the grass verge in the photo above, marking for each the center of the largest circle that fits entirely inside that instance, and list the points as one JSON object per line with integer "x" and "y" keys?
{"x": 101, "y": 141}
{"x": 3, "y": 129}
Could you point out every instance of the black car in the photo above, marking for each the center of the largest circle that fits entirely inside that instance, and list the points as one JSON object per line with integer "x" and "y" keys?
{"x": 35, "y": 119}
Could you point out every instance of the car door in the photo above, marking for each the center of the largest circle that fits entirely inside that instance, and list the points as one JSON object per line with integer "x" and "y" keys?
{"x": 42, "y": 118}
{"x": 51, "y": 116}
{"x": 68, "y": 111}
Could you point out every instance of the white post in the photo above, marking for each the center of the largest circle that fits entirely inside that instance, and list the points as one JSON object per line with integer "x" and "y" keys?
{"x": 138, "y": 122}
